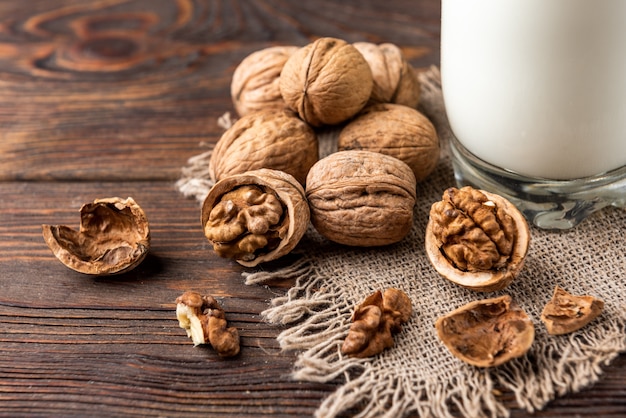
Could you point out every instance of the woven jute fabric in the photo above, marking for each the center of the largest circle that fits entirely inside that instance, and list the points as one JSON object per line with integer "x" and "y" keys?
{"x": 418, "y": 375}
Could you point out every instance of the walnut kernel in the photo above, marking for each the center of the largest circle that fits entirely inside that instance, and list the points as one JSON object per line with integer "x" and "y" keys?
{"x": 476, "y": 239}
{"x": 204, "y": 320}
{"x": 487, "y": 332}
{"x": 256, "y": 216}
{"x": 375, "y": 321}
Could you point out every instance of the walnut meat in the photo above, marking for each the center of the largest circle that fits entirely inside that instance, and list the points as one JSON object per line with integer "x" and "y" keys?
{"x": 254, "y": 85}
{"x": 255, "y": 217}
{"x": 375, "y": 321}
{"x": 487, "y": 332}
{"x": 114, "y": 237}
{"x": 326, "y": 82}
{"x": 567, "y": 313}
{"x": 395, "y": 80}
{"x": 361, "y": 198}
{"x": 476, "y": 239}
{"x": 275, "y": 139}
{"x": 395, "y": 130}
{"x": 204, "y": 320}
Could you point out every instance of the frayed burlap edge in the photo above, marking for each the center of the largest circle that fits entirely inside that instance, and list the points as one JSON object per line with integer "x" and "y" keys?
{"x": 316, "y": 315}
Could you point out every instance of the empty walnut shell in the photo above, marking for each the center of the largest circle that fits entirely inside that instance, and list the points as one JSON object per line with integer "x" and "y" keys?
{"x": 361, "y": 198}
{"x": 567, "y": 313}
{"x": 275, "y": 139}
{"x": 488, "y": 332}
{"x": 476, "y": 239}
{"x": 254, "y": 85}
{"x": 114, "y": 238}
{"x": 395, "y": 80}
{"x": 396, "y": 130}
{"x": 326, "y": 82}
{"x": 255, "y": 217}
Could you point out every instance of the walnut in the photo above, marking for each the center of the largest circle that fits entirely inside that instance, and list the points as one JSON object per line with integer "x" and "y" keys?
{"x": 361, "y": 198}
{"x": 395, "y": 80}
{"x": 487, "y": 332}
{"x": 326, "y": 82}
{"x": 567, "y": 313}
{"x": 204, "y": 320}
{"x": 255, "y": 217}
{"x": 254, "y": 85}
{"x": 275, "y": 139}
{"x": 476, "y": 239}
{"x": 114, "y": 237}
{"x": 395, "y": 130}
{"x": 375, "y": 321}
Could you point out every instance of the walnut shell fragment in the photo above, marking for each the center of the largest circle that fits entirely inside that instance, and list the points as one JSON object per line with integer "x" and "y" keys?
{"x": 204, "y": 320}
{"x": 254, "y": 85}
{"x": 476, "y": 239}
{"x": 566, "y": 313}
{"x": 326, "y": 82}
{"x": 396, "y": 130}
{"x": 361, "y": 198}
{"x": 275, "y": 139}
{"x": 395, "y": 80}
{"x": 114, "y": 237}
{"x": 255, "y": 217}
{"x": 487, "y": 333}
{"x": 375, "y": 321}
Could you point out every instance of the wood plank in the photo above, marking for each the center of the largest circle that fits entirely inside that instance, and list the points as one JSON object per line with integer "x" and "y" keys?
{"x": 126, "y": 90}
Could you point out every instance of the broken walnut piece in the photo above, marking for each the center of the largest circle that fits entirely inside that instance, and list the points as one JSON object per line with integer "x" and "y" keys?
{"x": 204, "y": 320}
{"x": 566, "y": 313}
{"x": 114, "y": 237}
{"x": 256, "y": 216}
{"x": 476, "y": 239}
{"x": 374, "y": 321}
{"x": 487, "y": 332}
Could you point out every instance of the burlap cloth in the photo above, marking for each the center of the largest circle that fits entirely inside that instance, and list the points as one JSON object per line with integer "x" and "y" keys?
{"x": 419, "y": 375}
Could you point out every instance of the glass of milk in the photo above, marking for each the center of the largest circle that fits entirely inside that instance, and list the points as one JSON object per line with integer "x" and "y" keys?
{"x": 535, "y": 93}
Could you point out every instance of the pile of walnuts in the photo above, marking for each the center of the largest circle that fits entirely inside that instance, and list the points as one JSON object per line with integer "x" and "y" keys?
{"x": 363, "y": 194}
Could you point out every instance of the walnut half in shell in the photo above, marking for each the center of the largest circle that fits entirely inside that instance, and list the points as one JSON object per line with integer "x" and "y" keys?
{"x": 114, "y": 238}
{"x": 487, "y": 332}
{"x": 476, "y": 239}
{"x": 256, "y": 216}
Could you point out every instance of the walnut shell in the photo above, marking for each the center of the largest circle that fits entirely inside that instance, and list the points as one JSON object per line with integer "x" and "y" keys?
{"x": 567, "y": 313}
{"x": 487, "y": 333}
{"x": 396, "y": 130}
{"x": 327, "y": 82}
{"x": 476, "y": 239}
{"x": 254, "y": 85}
{"x": 255, "y": 217}
{"x": 361, "y": 198}
{"x": 395, "y": 80}
{"x": 114, "y": 237}
{"x": 275, "y": 139}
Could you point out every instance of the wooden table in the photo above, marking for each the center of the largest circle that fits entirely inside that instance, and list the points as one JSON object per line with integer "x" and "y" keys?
{"x": 110, "y": 98}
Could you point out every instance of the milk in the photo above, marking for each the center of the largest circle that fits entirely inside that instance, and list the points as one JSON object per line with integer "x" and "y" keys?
{"x": 537, "y": 87}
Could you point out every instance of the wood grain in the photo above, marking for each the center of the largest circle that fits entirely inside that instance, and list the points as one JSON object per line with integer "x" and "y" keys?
{"x": 110, "y": 98}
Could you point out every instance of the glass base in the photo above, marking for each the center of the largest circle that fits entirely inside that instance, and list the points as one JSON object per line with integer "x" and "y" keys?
{"x": 548, "y": 204}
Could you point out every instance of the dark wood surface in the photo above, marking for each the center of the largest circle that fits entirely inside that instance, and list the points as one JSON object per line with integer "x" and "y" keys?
{"x": 110, "y": 98}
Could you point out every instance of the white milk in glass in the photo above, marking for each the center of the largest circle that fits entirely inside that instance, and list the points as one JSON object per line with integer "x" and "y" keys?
{"x": 537, "y": 87}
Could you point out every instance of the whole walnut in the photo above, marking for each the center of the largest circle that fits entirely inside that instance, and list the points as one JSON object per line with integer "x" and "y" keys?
{"x": 326, "y": 82}
{"x": 361, "y": 198}
{"x": 396, "y": 130}
{"x": 275, "y": 139}
{"x": 254, "y": 85}
{"x": 395, "y": 80}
